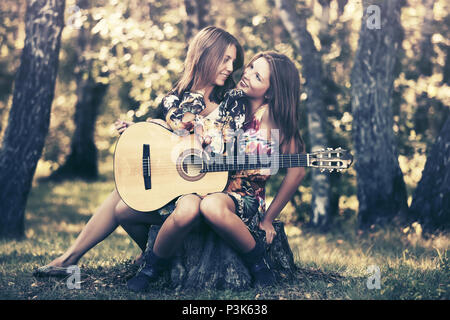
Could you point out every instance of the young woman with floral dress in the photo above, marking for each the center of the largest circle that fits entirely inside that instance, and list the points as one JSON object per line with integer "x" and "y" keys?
{"x": 268, "y": 95}
{"x": 213, "y": 55}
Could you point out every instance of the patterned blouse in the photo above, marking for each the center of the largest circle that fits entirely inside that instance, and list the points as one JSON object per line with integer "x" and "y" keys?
{"x": 246, "y": 187}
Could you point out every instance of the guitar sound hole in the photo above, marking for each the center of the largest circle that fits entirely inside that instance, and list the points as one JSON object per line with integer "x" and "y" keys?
{"x": 192, "y": 165}
{"x": 189, "y": 165}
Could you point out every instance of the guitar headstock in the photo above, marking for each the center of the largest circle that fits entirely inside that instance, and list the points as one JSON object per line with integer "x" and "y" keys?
{"x": 330, "y": 159}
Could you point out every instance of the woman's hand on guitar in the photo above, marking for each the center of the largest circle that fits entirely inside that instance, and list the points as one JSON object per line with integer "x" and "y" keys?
{"x": 202, "y": 138}
{"x": 121, "y": 125}
{"x": 187, "y": 122}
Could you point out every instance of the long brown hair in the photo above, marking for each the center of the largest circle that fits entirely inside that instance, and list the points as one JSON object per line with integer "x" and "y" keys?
{"x": 283, "y": 97}
{"x": 205, "y": 54}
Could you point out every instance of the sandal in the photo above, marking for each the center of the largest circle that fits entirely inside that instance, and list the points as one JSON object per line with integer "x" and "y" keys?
{"x": 51, "y": 271}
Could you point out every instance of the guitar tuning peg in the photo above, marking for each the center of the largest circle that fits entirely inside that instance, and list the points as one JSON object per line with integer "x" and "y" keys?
{"x": 322, "y": 170}
{"x": 331, "y": 170}
{"x": 339, "y": 148}
{"x": 329, "y": 148}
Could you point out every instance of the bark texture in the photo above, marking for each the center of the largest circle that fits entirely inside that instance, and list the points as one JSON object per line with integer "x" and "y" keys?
{"x": 431, "y": 199}
{"x": 30, "y": 112}
{"x": 206, "y": 262}
{"x": 426, "y": 52}
{"x": 312, "y": 70}
{"x": 82, "y": 159}
{"x": 381, "y": 189}
{"x": 197, "y": 16}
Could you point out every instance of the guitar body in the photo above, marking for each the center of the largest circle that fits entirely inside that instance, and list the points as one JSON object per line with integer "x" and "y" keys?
{"x": 153, "y": 166}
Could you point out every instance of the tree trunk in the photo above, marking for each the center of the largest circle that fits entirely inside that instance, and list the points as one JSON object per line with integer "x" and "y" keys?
{"x": 381, "y": 189}
{"x": 446, "y": 70}
{"x": 197, "y": 13}
{"x": 426, "y": 52}
{"x": 206, "y": 262}
{"x": 82, "y": 160}
{"x": 341, "y": 6}
{"x": 30, "y": 112}
{"x": 324, "y": 33}
{"x": 431, "y": 200}
{"x": 312, "y": 71}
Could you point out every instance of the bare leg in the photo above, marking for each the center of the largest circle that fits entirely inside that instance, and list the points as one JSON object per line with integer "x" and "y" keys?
{"x": 219, "y": 211}
{"x": 136, "y": 223}
{"x": 169, "y": 238}
{"x": 177, "y": 226}
{"x": 101, "y": 224}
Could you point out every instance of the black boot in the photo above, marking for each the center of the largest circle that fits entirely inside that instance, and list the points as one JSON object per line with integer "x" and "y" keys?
{"x": 149, "y": 273}
{"x": 258, "y": 267}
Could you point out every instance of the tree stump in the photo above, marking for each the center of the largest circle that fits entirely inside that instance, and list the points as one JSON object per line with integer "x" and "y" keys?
{"x": 206, "y": 261}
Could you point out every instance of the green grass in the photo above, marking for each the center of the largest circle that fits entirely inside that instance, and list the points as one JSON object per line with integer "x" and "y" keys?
{"x": 332, "y": 266}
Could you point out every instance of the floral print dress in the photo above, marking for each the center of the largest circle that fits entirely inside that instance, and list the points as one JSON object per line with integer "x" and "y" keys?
{"x": 245, "y": 187}
{"x": 230, "y": 118}
{"x": 248, "y": 187}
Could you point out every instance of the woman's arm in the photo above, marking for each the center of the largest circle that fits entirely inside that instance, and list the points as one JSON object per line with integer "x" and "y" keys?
{"x": 289, "y": 185}
{"x": 181, "y": 115}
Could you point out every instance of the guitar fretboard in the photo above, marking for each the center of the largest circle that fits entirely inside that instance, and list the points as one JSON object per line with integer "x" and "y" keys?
{"x": 251, "y": 162}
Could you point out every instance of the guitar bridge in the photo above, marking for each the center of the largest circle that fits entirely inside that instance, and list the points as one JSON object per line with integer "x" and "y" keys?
{"x": 146, "y": 167}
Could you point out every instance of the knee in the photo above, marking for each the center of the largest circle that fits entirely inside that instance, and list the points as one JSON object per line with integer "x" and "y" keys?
{"x": 122, "y": 212}
{"x": 187, "y": 212}
{"x": 211, "y": 209}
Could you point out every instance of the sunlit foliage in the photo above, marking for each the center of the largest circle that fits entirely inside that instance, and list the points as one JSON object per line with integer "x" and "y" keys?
{"x": 138, "y": 47}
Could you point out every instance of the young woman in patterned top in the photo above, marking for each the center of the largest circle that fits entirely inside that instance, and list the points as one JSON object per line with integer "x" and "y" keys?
{"x": 212, "y": 56}
{"x": 270, "y": 86}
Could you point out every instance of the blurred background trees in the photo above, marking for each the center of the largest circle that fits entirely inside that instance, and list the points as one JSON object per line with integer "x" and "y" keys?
{"x": 118, "y": 59}
{"x": 29, "y": 116}
{"x": 381, "y": 188}
{"x": 296, "y": 25}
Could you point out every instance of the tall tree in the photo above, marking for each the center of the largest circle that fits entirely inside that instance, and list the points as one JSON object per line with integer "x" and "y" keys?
{"x": 426, "y": 52}
{"x": 431, "y": 199}
{"x": 312, "y": 71}
{"x": 197, "y": 16}
{"x": 11, "y": 13}
{"x": 381, "y": 189}
{"x": 29, "y": 116}
{"x": 82, "y": 160}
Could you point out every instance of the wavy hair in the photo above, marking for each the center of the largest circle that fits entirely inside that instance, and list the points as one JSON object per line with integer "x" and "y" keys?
{"x": 205, "y": 54}
{"x": 283, "y": 97}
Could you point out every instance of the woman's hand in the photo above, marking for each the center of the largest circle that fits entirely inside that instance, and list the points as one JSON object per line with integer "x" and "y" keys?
{"x": 269, "y": 229}
{"x": 121, "y": 125}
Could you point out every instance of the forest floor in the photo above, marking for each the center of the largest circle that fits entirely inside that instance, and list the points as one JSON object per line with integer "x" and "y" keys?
{"x": 334, "y": 265}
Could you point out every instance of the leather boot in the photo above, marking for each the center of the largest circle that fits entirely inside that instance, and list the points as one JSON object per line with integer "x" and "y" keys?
{"x": 149, "y": 273}
{"x": 258, "y": 267}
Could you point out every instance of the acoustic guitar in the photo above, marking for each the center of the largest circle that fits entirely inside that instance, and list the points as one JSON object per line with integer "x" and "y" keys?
{"x": 153, "y": 165}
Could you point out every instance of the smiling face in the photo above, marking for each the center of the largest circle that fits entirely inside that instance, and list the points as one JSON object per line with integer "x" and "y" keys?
{"x": 225, "y": 68}
{"x": 255, "y": 80}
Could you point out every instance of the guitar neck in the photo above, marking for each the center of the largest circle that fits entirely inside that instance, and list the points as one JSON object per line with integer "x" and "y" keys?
{"x": 251, "y": 162}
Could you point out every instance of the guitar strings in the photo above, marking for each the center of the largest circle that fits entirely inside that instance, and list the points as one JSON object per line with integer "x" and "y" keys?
{"x": 295, "y": 160}
{"x": 283, "y": 158}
